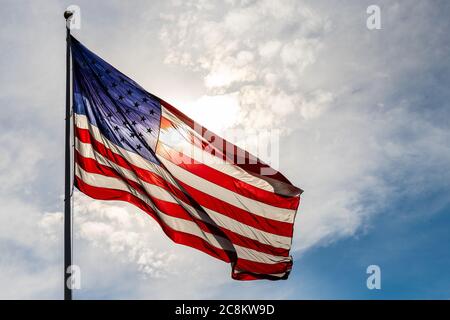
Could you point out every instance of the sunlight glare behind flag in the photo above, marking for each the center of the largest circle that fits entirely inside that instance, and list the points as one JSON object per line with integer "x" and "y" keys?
{"x": 132, "y": 146}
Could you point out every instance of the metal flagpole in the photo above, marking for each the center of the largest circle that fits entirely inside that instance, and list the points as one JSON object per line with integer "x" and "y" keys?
{"x": 67, "y": 192}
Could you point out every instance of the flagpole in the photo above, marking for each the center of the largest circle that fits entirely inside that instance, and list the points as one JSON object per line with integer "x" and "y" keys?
{"x": 67, "y": 191}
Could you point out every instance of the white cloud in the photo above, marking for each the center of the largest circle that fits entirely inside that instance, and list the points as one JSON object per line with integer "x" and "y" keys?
{"x": 325, "y": 80}
{"x": 346, "y": 99}
{"x": 31, "y": 254}
{"x": 257, "y": 49}
{"x": 122, "y": 233}
{"x": 219, "y": 111}
{"x": 269, "y": 49}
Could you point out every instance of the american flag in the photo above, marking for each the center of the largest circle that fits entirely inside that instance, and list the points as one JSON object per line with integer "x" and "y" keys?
{"x": 203, "y": 191}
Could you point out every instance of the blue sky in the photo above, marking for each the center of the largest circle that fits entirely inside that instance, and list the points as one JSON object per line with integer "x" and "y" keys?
{"x": 364, "y": 123}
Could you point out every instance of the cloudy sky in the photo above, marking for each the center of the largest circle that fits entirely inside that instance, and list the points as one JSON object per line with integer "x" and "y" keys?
{"x": 364, "y": 119}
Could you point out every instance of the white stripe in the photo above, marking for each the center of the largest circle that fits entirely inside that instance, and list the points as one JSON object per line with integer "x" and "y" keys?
{"x": 178, "y": 224}
{"x": 82, "y": 122}
{"x": 87, "y": 151}
{"x": 256, "y": 207}
{"x": 201, "y": 156}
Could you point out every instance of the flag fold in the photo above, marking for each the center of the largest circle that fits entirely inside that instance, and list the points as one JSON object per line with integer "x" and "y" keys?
{"x": 203, "y": 191}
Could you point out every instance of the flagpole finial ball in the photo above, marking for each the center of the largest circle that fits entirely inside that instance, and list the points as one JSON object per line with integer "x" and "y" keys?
{"x": 68, "y": 14}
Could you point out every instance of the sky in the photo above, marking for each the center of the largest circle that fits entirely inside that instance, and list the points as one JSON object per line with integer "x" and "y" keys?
{"x": 364, "y": 123}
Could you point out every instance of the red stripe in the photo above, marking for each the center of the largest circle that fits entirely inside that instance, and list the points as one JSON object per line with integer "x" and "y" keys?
{"x": 226, "y": 181}
{"x": 175, "y": 210}
{"x": 222, "y": 144}
{"x": 246, "y": 276}
{"x": 268, "y": 225}
{"x": 263, "y": 268}
{"x": 90, "y": 165}
{"x": 177, "y": 236}
{"x": 145, "y": 175}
